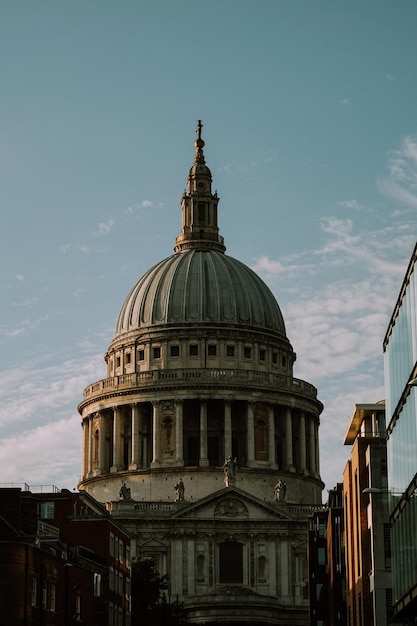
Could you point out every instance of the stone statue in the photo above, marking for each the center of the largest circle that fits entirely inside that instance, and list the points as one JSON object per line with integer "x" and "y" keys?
{"x": 179, "y": 490}
{"x": 229, "y": 469}
{"x": 280, "y": 490}
{"x": 124, "y": 492}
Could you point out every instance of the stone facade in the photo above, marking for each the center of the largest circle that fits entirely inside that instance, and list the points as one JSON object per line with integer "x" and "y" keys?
{"x": 200, "y": 389}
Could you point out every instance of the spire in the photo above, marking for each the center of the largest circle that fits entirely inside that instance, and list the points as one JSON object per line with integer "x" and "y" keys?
{"x": 199, "y": 144}
{"x": 199, "y": 206}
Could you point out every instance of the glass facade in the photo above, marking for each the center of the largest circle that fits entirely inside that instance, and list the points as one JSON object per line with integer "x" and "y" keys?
{"x": 400, "y": 363}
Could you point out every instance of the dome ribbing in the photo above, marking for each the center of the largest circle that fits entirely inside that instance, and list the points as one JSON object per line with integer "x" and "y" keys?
{"x": 200, "y": 287}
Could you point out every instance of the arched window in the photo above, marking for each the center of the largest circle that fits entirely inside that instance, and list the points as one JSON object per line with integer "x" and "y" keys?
{"x": 261, "y": 568}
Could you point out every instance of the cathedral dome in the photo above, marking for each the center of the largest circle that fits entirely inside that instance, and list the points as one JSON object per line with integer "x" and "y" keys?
{"x": 200, "y": 286}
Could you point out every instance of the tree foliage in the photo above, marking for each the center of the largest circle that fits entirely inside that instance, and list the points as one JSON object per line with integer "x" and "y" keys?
{"x": 150, "y": 606}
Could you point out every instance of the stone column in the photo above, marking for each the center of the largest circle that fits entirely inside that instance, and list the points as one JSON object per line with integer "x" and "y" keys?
{"x": 303, "y": 454}
{"x": 90, "y": 444}
{"x": 179, "y": 433}
{"x": 251, "y": 434}
{"x": 271, "y": 441}
{"x": 203, "y": 434}
{"x": 135, "y": 428}
{"x": 156, "y": 434}
{"x": 312, "y": 446}
{"x": 288, "y": 440}
{"x": 85, "y": 447}
{"x": 103, "y": 465}
{"x": 227, "y": 429}
{"x": 117, "y": 440}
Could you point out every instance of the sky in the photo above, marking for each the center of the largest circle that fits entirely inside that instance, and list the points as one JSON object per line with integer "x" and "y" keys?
{"x": 309, "y": 114}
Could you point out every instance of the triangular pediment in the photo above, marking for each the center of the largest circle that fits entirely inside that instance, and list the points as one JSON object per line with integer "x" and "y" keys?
{"x": 231, "y": 503}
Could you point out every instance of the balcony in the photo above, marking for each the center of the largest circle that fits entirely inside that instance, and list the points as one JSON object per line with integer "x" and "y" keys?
{"x": 205, "y": 377}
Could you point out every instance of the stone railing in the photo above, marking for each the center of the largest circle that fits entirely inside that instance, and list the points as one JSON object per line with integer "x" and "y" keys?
{"x": 183, "y": 377}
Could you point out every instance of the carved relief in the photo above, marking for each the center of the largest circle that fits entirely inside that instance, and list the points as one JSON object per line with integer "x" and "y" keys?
{"x": 231, "y": 507}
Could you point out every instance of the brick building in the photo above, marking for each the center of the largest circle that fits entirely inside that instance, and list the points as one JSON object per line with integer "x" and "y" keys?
{"x": 63, "y": 560}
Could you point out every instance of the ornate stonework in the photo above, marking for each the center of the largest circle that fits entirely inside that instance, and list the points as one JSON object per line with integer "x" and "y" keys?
{"x": 200, "y": 415}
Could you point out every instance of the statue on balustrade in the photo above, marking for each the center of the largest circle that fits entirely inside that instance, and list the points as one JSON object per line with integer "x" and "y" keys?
{"x": 280, "y": 490}
{"x": 229, "y": 470}
{"x": 179, "y": 490}
{"x": 124, "y": 492}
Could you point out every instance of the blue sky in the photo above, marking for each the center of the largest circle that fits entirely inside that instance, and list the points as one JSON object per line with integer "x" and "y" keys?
{"x": 309, "y": 113}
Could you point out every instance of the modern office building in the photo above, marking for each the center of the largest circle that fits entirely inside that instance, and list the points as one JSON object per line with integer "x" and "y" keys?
{"x": 367, "y": 545}
{"x": 400, "y": 362}
{"x": 199, "y": 439}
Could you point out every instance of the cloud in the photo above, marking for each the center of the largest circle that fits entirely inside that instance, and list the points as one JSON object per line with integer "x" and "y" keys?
{"x": 349, "y": 204}
{"x": 267, "y": 266}
{"x": 133, "y": 209}
{"x": 43, "y": 391}
{"x": 26, "y": 301}
{"x": 43, "y": 453}
{"x": 22, "y": 328}
{"x": 104, "y": 228}
{"x": 401, "y": 181}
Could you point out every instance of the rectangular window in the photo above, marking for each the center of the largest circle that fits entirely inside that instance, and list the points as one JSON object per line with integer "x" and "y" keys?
{"x": 47, "y": 510}
{"x": 111, "y": 578}
{"x": 230, "y": 351}
{"x": 52, "y": 599}
{"x": 274, "y": 358}
{"x": 231, "y": 562}
{"x": 193, "y": 349}
{"x": 141, "y": 355}
{"x": 321, "y": 556}
{"x": 78, "y": 607}
{"x": 117, "y": 361}
{"x": 128, "y": 358}
{"x": 262, "y": 354}
{"x": 212, "y": 349}
{"x": 111, "y": 544}
{"x": 97, "y": 585}
{"x": 284, "y": 361}
{"x": 44, "y": 593}
{"x": 111, "y": 623}
{"x": 387, "y": 546}
{"x": 157, "y": 352}
{"x": 34, "y": 591}
{"x": 247, "y": 352}
{"x": 175, "y": 351}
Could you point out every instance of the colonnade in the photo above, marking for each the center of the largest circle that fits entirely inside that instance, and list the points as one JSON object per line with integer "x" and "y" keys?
{"x": 145, "y": 435}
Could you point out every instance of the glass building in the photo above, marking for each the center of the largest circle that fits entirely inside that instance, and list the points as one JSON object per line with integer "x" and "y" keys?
{"x": 400, "y": 363}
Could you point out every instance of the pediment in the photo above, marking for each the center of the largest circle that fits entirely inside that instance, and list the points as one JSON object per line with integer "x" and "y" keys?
{"x": 230, "y": 503}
